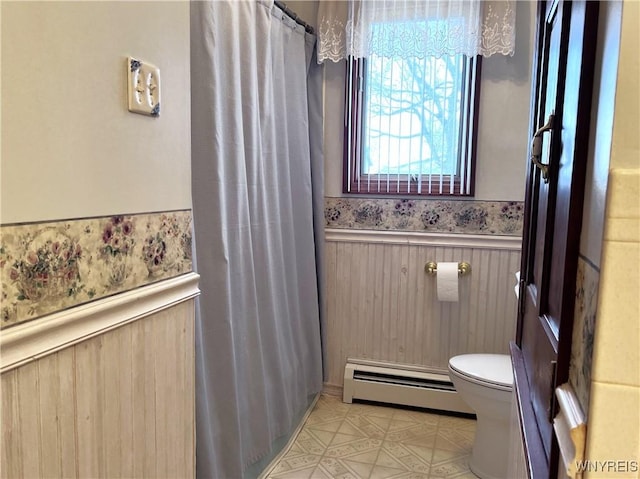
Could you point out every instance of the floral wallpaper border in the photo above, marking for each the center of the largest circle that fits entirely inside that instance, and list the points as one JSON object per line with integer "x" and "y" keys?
{"x": 434, "y": 216}
{"x": 48, "y": 267}
{"x": 587, "y": 284}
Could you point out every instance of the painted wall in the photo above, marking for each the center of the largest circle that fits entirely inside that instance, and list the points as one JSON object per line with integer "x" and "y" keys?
{"x": 77, "y": 165}
{"x": 70, "y": 148}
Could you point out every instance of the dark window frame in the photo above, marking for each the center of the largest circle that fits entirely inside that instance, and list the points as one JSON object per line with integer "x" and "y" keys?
{"x": 355, "y": 85}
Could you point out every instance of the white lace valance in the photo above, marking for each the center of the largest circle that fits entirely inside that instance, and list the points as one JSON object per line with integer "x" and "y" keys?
{"x": 414, "y": 28}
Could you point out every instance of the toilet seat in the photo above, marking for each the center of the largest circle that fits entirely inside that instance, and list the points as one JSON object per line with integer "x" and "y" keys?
{"x": 489, "y": 370}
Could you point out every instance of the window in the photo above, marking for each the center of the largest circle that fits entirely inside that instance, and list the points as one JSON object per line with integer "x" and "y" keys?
{"x": 411, "y": 125}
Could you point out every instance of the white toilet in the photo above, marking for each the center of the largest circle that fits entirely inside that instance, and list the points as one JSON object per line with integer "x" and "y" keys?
{"x": 484, "y": 382}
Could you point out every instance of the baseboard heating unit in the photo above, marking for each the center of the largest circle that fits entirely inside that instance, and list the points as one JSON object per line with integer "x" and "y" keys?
{"x": 401, "y": 384}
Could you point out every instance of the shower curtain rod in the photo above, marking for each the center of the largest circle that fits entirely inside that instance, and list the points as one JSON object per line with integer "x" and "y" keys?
{"x": 283, "y": 6}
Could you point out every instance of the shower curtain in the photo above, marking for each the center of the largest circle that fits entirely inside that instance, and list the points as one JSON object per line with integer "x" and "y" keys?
{"x": 256, "y": 169}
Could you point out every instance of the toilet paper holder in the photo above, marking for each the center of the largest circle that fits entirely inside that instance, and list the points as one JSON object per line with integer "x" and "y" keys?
{"x": 432, "y": 268}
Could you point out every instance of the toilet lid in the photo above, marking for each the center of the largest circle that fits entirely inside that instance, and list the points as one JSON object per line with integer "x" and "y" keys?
{"x": 488, "y": 368}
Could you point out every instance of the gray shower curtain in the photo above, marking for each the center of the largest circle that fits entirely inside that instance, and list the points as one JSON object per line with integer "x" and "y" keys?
{"x": 256, "y": 169}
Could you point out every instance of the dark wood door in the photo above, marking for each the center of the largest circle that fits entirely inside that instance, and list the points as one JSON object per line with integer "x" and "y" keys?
{"x": 561, "y": 102}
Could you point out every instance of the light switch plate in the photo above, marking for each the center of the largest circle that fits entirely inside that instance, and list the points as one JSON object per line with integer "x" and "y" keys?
{"x": 143, "y": 86}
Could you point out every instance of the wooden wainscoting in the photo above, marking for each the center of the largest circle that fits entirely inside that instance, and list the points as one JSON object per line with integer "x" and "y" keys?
{"x": 120, "y": 404}
{"x": 381, "y": 305}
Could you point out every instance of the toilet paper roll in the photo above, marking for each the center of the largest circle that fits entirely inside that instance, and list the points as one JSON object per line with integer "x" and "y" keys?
{"x": 447, "y": 279}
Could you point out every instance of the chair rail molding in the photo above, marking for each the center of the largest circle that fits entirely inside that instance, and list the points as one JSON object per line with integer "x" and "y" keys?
{"x": 571, "y": 430}
{"x": 426, "y": 239}
{"x": 29, "y": 341}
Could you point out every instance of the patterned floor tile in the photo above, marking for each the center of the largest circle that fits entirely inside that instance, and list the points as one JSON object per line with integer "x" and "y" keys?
{"x": 360, "y": 449}
{"x": 450, "y": 470}
{"x": 365, "y": 425}
{"x": 402, "y": 424}
{"x": 332, "y": 403}
{"x": 444, "y": 443}
{"x": 411, "y": 457}
{"x": 415, "y": 475}
{"x": 365, "y": 441}
{"x": 458, "y": 438}
{"x": 320, "y": 436}
{"x": 310, "y": 443}
{"x": 386, "y": 459}
{"x": 328, "y": 409}
{"x": 425, "y": 453}
{"x": 330, "y": 426}
{"x": 463, "y": 475}
{"x": 447, "y": 464}
{"x": 381, "y": 472}
{"x": 358, "y": 409}
{"x": 360, "y": 468}
{"x": 299, "y": 466}
{"x": 342, "y": 469}
{"x": 324, "y": 416}
{"x": 416, "y": 416}
{"x": 319, "y": 473}
{"x": 367, "y": 457}
{"x": 295, "y": 449}
{"x": 341, "y": 439}
{"x": 457, "y": 422}
{"x": 419, "y": 434}
{"x": 298, "y": 474}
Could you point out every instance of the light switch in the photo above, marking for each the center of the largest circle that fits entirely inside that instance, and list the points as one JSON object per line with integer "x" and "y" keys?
{"x": 143, "y": 87}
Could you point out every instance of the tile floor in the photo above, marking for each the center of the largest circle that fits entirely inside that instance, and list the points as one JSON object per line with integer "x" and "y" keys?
{"x": 353, "y": 441}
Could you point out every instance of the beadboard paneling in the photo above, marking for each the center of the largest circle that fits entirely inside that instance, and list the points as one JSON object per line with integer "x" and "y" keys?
{"x": 120, "y": 404}
{"x": 381, "y": 305}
